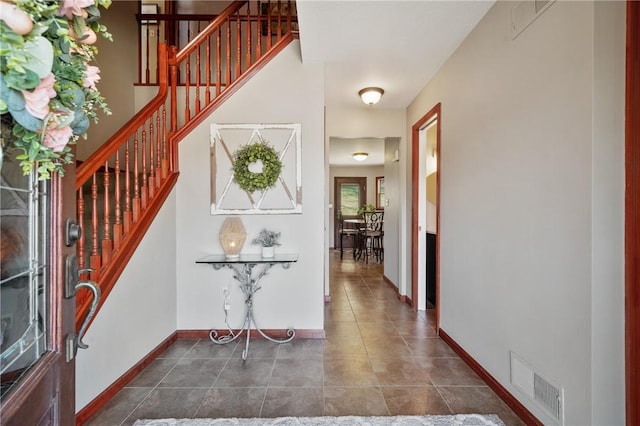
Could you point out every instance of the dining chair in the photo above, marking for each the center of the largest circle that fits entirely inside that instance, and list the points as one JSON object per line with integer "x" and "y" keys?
{"x": 371, "y": 236}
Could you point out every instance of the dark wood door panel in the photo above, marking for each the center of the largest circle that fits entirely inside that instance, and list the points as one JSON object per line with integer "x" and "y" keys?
{"x": 349, "y": 211}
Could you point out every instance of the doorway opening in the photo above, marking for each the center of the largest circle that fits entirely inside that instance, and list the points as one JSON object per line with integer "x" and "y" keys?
{"x": 350, "y": 193}
{"x": 425, "y": 215}
{"x": 380, "y": 175}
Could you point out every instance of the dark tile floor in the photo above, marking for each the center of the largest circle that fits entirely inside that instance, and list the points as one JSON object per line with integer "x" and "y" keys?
{"x": 379, "y": 358}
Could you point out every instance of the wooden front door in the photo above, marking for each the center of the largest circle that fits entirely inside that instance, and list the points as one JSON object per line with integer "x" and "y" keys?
{"x": 350, "y": 193}
{"x": 38, "y": 378}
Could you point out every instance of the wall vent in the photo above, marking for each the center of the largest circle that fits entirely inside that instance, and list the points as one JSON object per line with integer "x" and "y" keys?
{"x": 548, "y": 396}
{"x": 534, "y": 385}
{"x": 540, "y": 4}
{"x": 524, "y": 13}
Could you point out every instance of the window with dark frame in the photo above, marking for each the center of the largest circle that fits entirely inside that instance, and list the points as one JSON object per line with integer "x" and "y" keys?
{"x": 380, "y": 200}
{"x": 149, "y": 9}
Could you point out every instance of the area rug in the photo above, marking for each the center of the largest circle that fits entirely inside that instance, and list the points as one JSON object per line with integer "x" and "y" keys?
{"x": 458, "y": 419}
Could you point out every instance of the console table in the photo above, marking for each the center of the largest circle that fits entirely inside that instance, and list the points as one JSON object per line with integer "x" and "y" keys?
{"x": 243, "y": 268}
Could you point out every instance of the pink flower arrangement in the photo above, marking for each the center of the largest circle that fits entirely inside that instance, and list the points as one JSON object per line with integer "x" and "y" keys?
{"x": 37, "y": 101}
{"x": 74, "y": 7}
{"x": 49, "y": 112}
{"x": 57, "y": 138}
{"x": 92, "y": 77}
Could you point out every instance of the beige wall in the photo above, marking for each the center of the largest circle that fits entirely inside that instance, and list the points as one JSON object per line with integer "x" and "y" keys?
{"x": 138, "y": 315}
{"x": 118, "y": 68}
{"x": 607, "y": 204}
{"x": 521, "y": 232}
{"x": 284, "y": 91}
{"x": 392, "y": 187}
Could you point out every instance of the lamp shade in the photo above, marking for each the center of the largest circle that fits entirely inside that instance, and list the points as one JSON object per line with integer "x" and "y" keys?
{"x": 371, "y": 95}
{"x": 360, "y": 156}
{"x": 232, "y": 236}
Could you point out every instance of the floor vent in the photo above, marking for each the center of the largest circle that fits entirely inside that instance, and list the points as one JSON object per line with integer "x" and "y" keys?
{"x": 534, "y": 385}
{"x": 548, "y": 396}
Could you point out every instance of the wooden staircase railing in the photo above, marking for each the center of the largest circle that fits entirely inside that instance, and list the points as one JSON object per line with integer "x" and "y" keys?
{"x": 120, "y": 189}
{"x": 122, "y": 186}
{"x": 270, "y": 20}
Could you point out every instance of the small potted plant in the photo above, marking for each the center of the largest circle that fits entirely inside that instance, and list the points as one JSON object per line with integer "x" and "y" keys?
{"x": 268, "y": 240}
{"x": 367, "y": 208}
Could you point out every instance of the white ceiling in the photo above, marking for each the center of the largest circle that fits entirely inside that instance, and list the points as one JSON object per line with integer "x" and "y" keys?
{"x": 342, "y": 149}
{"x": 396, "y": 45}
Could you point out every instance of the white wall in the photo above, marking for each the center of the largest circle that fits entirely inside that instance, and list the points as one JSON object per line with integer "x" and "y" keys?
{"x": 519, "y": 218}
{"x": 285, "y": 91}
{"x": 139, "y": 313}
{"x": 378, "y": 123}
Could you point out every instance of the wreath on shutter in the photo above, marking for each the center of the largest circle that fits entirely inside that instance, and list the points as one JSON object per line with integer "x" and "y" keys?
{"x": 258, "y": 153}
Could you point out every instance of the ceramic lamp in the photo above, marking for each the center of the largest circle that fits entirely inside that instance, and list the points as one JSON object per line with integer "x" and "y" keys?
{"x": 232, "y": 236}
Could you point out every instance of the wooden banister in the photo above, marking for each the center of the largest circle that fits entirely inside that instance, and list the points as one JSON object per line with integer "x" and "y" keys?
{"x": 102, "y": 154}
{"x": 276, "y": 48}
{"x": 201, "y": 38}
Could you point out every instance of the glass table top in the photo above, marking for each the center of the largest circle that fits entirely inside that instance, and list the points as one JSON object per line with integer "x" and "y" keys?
{"x": 248, "y": 258}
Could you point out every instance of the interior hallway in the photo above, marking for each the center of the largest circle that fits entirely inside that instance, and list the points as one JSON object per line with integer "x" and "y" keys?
{"x": 379, "y": 358}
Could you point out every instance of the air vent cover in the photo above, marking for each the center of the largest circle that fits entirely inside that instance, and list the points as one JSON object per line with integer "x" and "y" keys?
{"x": 548, "y": 396}
{"x": 535, "y": 386}
{"x": 525, "y": 12}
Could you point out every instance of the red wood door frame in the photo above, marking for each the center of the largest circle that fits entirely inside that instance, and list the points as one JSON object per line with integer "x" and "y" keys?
{"x": 632, "y": 216}
{"x": 415, "y": 187}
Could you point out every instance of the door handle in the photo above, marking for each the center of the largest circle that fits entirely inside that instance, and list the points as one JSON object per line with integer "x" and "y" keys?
{"x": 95, "y": 291}
{"x": 72, "y": 341}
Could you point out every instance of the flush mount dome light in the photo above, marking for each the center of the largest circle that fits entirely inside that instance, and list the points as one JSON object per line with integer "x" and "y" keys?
{"x": 371, "y": 95}
{"x": 360, "y": 156}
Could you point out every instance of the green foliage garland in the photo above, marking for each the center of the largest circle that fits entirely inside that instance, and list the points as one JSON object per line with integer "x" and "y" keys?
{"x": 271, "y": 166}
{"x": 48, "y": 95}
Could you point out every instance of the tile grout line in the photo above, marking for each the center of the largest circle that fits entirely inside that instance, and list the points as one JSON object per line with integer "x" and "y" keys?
{"x": 157, "y": 384}
{"x": 442, "y": 396}
{"x": 214, "y": 382}
{"x": 268, "y": 385}
{"x": 379, "y": 385}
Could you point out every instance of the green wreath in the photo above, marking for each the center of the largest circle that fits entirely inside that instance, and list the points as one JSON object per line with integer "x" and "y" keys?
{"x": 271, "y": 166}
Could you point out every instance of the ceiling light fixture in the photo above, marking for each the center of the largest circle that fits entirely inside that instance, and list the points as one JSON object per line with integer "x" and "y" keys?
{"x": 360, "y": 156}
{"x": 371, "y": 95}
